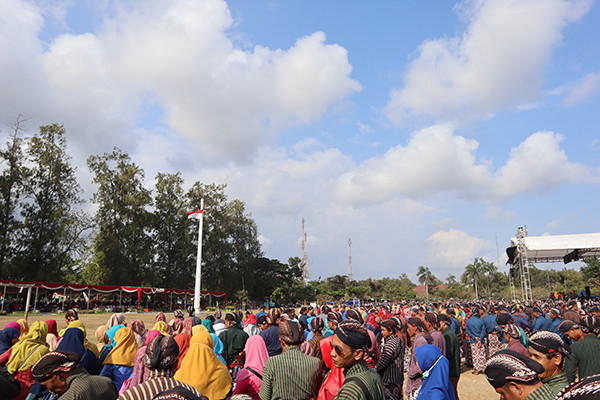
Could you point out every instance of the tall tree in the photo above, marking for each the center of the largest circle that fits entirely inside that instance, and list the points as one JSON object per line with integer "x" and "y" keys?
{"x": 53, "y": 226}
{"x": 171, "y": 235}
{"x": 122, "y": 245}
{"x": 426, "y": 278}
{"x": 472, "y": 273}
{"x": 12, "y": 177}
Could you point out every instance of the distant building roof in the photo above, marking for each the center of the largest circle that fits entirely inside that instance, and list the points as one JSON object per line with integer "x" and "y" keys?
{"x": 420, "y": 290}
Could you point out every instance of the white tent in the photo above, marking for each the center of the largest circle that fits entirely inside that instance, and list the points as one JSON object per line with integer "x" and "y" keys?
{"x": 559, "y": 248}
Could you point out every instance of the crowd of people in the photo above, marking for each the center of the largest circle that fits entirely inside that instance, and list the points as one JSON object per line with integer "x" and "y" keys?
{"x": 527, "y": 351}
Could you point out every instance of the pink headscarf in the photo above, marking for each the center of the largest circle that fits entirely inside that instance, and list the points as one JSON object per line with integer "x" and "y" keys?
{"x": 13, "y": 324}
{"x": 152, "y": 335}
{"x": 52, "y": 327}
{"x": 256, "y": 353}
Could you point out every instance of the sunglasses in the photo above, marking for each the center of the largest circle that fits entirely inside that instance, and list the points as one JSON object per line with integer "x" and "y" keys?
{"x": 340, "y": 352}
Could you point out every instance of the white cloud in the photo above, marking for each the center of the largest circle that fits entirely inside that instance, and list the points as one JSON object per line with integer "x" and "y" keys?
{"x": 497, "y": 63}
{"x": 455, "y": 247}
{"x": 494, "y": 213}
{"x": 587, "y": 87}
{"x": 538, "y": 163}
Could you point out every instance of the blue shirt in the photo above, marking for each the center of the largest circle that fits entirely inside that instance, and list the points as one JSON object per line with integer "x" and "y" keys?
{"x": 271, "y": 337}
{"x": 520, "y": 321}
{"x": 541, "y": 324}
{"x": 455, "y": 325}
{"x": 475, "y": 328}
{"x": 554, "y": 326}
{"x": 118, "y": 373}
{"x": 490, "y": 324}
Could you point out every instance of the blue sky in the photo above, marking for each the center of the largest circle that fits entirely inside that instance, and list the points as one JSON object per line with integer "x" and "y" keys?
{"x": 422, "y": 131}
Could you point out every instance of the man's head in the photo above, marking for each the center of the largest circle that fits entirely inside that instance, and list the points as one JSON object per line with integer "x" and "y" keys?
{"x": 162, "y": 353}
{"x": 513, "y": 375}
{"x": 316, "y": 325}
{"x": 504, "y": 319}
{"x": 333, "y": 319}
{"x": 537, "y": 312}
{"x": 431, "y": 321}
{"x": 549, "y": 350}
{"x": 262, "y": 322}
{"x": 54, "y": 368}
{"x": 348, "y": 343}
{"x": 273, "y": 316}
{"x": 291, "y": 333}
{"x": 388, "y": 327}
{"x": 554, "y": 313}
{"x": 445, "y": 321}
{"x": 511, "y": 332}
{"x": 571, "y": 330}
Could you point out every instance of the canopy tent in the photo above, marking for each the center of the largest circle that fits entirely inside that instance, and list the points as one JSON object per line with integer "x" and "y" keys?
{"x": 68, "y": 288}
{"x": 559, "y": 248}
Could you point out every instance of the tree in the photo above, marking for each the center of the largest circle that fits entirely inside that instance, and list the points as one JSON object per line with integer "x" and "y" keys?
{"x": 426, "y": 278}
{"x": 472, "y": 273}
{"x": 53, "y": 227}
{"x": 591, "y": 270}
{"x": 12, "y": 178}
{"x": 122, "y": 245}
{"x": 173, "y": 263}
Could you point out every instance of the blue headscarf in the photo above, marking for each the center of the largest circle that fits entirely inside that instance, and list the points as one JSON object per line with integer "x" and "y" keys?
{"x": 218, "y": 348}
{"x": 6, "y": 337}
{"x": 111, "y": 334}
{"x": 73, "y": 341}
{"x": 436, "y": 380}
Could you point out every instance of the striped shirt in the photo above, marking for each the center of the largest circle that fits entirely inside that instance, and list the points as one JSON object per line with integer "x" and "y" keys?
{"x": 557, "y": 382}
{"x": 391, "y": 362}
{"x": 542, "y": 393}
{"x": 85, "y": 386}
{"x": 291, "y": 375}
{"x": 583, "y": 358}
{"x": 371, "y": 380}
{"x": 156, "y": 382}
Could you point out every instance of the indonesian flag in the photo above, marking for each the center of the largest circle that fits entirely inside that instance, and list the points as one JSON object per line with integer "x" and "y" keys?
{"x": 195, "y": 214}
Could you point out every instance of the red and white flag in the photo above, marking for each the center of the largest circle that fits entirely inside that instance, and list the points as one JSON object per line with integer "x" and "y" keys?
{"x": 195, "y": 214}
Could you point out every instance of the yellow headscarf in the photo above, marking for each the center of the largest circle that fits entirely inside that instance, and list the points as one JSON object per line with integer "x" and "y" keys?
{"x": 214, "y": 380}
{"x": 27, "y": 351}
{"x": 23, "y": 327}
{"x": 199, "y": 328}
{"x": 79, "y": 324}
{"x": 124, "y": 351}
{"x": 161, "y": 326}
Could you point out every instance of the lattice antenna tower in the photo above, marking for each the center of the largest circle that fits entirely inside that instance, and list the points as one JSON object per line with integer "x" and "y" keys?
{"x": 304, "y": 255}
{"x": 524, "y": 264}
{"x": 350, "y": 272}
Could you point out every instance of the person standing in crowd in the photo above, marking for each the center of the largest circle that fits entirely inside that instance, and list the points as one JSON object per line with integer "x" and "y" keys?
{"x": 52, "y": 336}
{"x": 584, "y": 359}
{"x": 492, "y": 331}
{"x": 291, "y": 374}
{"x": 334, "y": 377}
{"x": 251, "y": 327}
{"x": 434, "y": 368}
{"x": 161, "y": 359}
{"x": 515, "y": 377}
{"x": 316, "y": 326}
{"x": 233, "y": 339}
{"x": 475, "y": 328}
{"x": 249, "y": 378}
{"x": 25, "y": 353}
{"x": 361, "y": 382}
{"x": 452, "y": 352}
{"x": 271, "y": 334}
{"x": 57, "y": 371}
{"x": 548, "y": 349}
{"x": 555, "y": 320}
{"x": 418, "y": 336}
{"x": 512, "y": 335}
{"x": 540, "y": 322}
{"x": 118, "y": 365}
{"x": 571, "y": 313}
{"x": 391, "y": 361}
{"x": 432, "y": 324}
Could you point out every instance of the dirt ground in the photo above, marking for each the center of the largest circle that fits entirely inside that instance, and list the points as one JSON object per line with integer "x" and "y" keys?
{"x": 470, "y": 387}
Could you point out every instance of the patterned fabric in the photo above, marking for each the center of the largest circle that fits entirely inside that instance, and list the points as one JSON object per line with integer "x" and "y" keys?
{"x": 116, "y": 319}
{"x": 54, "y": 362}
{"x": 391, "y": 366}
{"x": 509, "y": 366}
{"x": 153, "y": 386}
{"x": 353, "y": 334}
{"x": 291, "y": 375}
{"x": 585, "y": 389}
{"x": 413, "y": 374}
{"x": 178, "y": 393}
{"x": 352, "y": 391}
{"x": 85, "y": 386}
{"x": 556, "y": 383}
{"x": 542, "y": 393}
{"x": 583, "y": 360}
{"x": 478, "y": 352}
{"x": 494, "y": 344}
{"x": 291, "y": 332}
{"x": 161, "y": 353}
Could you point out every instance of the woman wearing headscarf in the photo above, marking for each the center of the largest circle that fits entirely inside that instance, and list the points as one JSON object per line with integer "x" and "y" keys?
{"x": 391, "y": 362}
{"x": 209, "y": 325}
{"x": 52, "y": 336}
{"x": 118, "y": 365}
{"x": 138, "y": 374}
{"x": 26, "y": 353}
{"x": 140, "y": 331}
{"x": 72, "y": 341}
{"x": 23, "y": 326}
{"x": 176, "y": 326}
{"x": 13, "y": 324}
{"x": 512, "y": 335}
{"x": 183, "y": 341}
{"x": 418, "y": 335}
{"x": 218, "y": 345}
{"x": 160, "y": 316}
{"x": 249, "y": 378}
{"x": 104, "y": 343}
{"x": 188, "y": 324}
{"x": 214, "y": 382}
{"x": 335, "y": 378}
{"x": 79, "y": 324}
{"x": 8, "y": 337}
{"x": 115, "y": 319}
{"x": 434, "y": 368}
{"x": 163, "y": 328}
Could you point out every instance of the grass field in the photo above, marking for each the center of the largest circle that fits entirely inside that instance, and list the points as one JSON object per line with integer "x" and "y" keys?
{"x": 470, "y": 387}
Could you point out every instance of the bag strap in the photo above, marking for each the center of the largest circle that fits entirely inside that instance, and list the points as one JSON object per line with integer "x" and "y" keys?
{"x": 23, "y": 362}
{"x": 254, "y": 372}
{"x": 362, "y": 386}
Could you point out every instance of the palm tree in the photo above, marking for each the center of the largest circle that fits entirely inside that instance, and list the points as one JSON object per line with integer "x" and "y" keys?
{"x": 425, "y": 278}
{"x": 473, "y": 271}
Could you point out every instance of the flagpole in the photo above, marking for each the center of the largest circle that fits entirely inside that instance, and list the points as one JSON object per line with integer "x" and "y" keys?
{"x": 199, "y": 261}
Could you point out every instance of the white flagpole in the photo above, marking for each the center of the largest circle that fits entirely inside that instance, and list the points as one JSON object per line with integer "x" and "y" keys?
{"x": 199, "y": 261}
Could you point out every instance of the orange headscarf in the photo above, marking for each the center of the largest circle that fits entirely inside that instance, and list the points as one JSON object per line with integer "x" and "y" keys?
{"x": 183, "y": 341}
{"x": 214, "y": 382}
{"x": 124, "y": 351}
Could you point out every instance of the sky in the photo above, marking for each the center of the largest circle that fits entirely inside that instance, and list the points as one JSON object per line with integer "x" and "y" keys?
{"x": 425, "y": 132}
